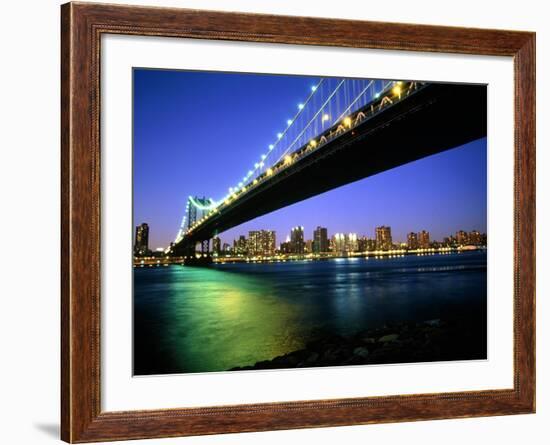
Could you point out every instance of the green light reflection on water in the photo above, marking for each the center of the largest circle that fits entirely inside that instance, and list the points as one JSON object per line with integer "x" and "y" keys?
{"x": 219, "y": 320}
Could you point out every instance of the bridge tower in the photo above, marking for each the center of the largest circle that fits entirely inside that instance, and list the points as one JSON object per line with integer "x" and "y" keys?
{"x": 191, "y": 214}
{"x": 194, "y": 213}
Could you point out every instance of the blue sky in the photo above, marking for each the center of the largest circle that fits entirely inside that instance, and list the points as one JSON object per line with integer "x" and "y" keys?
{"x": 195, "y": 133}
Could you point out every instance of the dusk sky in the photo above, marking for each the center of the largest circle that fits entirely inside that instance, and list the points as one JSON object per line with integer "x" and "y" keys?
{"x": 197, "y": 133}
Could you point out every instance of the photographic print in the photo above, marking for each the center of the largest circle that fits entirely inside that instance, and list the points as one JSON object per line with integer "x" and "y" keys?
{"x": 285, "y": 222}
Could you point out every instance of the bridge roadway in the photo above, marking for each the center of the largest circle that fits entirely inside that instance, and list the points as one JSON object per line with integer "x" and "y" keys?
{"x": 433, "y": 119}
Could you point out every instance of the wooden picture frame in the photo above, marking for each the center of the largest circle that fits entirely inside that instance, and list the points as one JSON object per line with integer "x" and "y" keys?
{"x": 82, "y": 25}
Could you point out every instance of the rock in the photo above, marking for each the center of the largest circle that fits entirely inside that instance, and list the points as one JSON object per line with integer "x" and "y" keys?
{"x": 292, "y": 360}
{"x": 388, "y": 338}
{"x": 423, "y": 341}
{"x": 330, "y": 354}
{"x": 361, "y": 351}
{"x": 369, "y": 340}
{"x": 312, "y": 358}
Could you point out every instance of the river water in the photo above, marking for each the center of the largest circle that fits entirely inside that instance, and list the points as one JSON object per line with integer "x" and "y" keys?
{"x": 212, "y": 319}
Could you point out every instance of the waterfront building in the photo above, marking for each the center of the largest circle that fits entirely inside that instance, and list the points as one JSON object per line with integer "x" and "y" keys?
{"x": 366, "y": 244}
{"x": 240, "y": 245}
{"x": 351, "y": 243}
{"x": 461, "y": 237}
{"x": 412, "y": 241}
{"x": 474, "y": 237}
{"x": 253, "y": 243}
{"x": 320, "y": 240}
{"x": 452, "y": 240}
{"x": 226, "y": 248}
{"x": 216, "y": 245}
{"x": 383, "y": 238}
{"x": 141, "y": 242}
{"x": 339, "y": 243}
{"x": 483, "y": 239}
{"x": 297, "y": 244}
{"x": 261, "y": 242}
{"x": 269, "y": 242}
{"x": 285, "y": 247}
{"x": 424, "y": 239}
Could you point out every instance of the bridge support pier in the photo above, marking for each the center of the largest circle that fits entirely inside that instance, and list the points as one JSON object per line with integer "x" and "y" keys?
{"x": 205, "y": 259}
{"x": 189, "y": 254}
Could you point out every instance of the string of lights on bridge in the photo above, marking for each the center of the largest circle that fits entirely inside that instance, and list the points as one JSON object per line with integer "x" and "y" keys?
{"x": 210, "y": 206}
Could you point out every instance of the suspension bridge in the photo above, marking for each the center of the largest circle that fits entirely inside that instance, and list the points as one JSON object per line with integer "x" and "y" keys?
{"x": 344, "y": 130}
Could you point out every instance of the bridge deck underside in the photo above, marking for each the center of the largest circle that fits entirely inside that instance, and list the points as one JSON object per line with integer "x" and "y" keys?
{"x": 434, "y": 119}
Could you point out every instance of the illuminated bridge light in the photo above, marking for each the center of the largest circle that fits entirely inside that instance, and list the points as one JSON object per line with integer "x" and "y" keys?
{"x": 261, "y": 164}
{"x": 271, "y": 146}
{"x": 250, "y": 173}
{"x": 313, "y": 143}
{"x": 255, "y": 182}
{"x": 288, "y": 159}
{"x": 325, "y": 117}
{"x": 269, "y": 171}
{"x": 289, "y": 122}
{"x": 313, "y": 88}
{"x": 263, "y": 157}
{"x": 279, "y": 135}
{"x": 256, "y": 165}
{"x": 396, "y": 90}
{"x": 300, "y": 106}
{"x": 347, "y": 121}
{"x": 377, "y": 95}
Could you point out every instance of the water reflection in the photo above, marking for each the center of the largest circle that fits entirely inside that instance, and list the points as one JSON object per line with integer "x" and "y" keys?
{"x": 213, "y": 319}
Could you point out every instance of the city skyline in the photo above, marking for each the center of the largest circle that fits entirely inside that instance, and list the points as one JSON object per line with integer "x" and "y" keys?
{"x": 381, "y": 236}
{"x": 404, "y": 197}
{"x": 423, "y": 237}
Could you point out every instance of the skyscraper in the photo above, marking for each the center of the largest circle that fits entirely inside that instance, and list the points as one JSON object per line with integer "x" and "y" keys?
{"x": 240, "y": 246}
{"x": 285, "y": 247}
{"x": 297, "y": 240}
{"x": 424, "y": 239}
{"x": 320, "y": 240}
{"x": 339, "y": 243}
{"x": 383, "y": 238}
{"x": 141, "y": 243}
{"x": 474, "y": 238}
{"x": 261, "y": 242}
{"x": 216, "y": 245}
{"x": 365, "y": 244}
{"x": 461, "y": 237}
{"x": 412, "y": 241}
{"x": 351, "y": 243}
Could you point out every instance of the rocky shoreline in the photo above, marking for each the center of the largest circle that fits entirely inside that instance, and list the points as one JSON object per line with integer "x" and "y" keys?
{"x": 410, "y": 342}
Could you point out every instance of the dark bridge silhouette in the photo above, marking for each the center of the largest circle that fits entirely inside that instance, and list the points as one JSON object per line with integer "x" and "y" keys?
{"x": 424, "y": 120}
